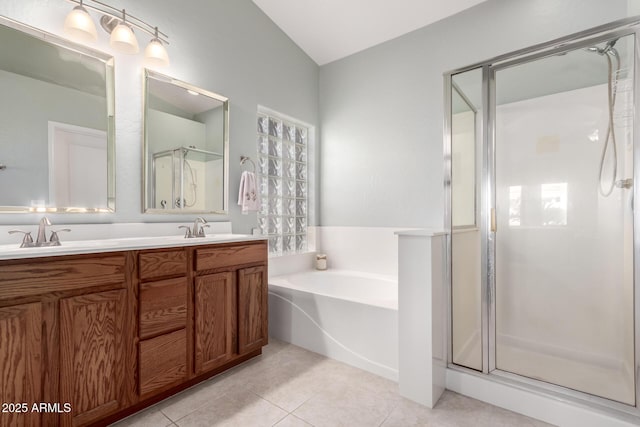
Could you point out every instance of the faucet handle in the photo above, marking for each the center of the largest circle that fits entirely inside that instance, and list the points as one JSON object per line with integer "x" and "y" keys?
{"x": 187, "y": 233}
{"x": 201, "y": 230}
{"x": 54, "y": 240}
{"x": 27, "y": 240}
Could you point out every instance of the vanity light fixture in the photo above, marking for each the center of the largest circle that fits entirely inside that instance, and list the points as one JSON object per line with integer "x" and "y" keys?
{"x": 120, "y": 25}
{"x": 155, "y": 52}
{"x": 79, "y": 24}
{"x": 122, "y": 37}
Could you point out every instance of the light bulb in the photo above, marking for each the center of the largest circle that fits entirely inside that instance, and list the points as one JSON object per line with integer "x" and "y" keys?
{"x": 80, "y": 26}
{"x": 155, "y": 54}
{"x": 123, "y": 39}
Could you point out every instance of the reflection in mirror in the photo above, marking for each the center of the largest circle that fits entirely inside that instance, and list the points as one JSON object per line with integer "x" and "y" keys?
{"x": 464, "y": 132}
{"x": 56, "y": 124}
{"x": 466, "y": 119}
{"x": 186, "y": 145}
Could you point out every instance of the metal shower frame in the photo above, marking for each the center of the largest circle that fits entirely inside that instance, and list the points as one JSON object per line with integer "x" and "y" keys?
{"x": 486, "y": 185}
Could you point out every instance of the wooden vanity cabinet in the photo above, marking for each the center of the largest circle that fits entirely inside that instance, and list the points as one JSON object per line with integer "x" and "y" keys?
{"x": 66, "y": 338}
{"x": 163, "y": 306}
{"x": 230, "y": 303}
{"x": 92, "y": 355}
{"x": 20, "y": 359}
{"x": 252, "y": 309}
{"x": 215, "y": 321}
{"x": 111, "y": 333}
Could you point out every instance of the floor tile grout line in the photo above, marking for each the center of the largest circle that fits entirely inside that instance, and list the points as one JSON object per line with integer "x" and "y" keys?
{"x": 389, "y": 414}
{"x": 284, "y": 409}
{"x": 170, "y": 420}
{"x": 302, "y": 419}
{"x": 223, "y": 394}
{"x": 270, "y": 402}
{"x": 191, "y": 412}
{"x": 226, "y": 394}
{"x": 298, "y": 407}
{"x": 277, "y": 422}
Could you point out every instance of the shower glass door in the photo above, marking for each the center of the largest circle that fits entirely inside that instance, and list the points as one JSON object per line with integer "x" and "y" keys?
{"x": 563, "y": 242}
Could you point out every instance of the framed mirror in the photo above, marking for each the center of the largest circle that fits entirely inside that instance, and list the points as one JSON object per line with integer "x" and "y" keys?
{"x": 186, "y": 146}
{"x": 57, "y": 146}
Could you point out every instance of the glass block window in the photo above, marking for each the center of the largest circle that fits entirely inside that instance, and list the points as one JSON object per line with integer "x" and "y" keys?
{"x": 282, "y": 172}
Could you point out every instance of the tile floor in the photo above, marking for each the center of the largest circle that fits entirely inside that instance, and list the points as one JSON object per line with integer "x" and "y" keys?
{"x": 289, "y": 386}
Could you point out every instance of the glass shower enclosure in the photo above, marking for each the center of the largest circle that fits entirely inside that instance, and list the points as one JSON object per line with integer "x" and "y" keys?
{"x": 180, "y": 177}
{"x": 540, "y": 147}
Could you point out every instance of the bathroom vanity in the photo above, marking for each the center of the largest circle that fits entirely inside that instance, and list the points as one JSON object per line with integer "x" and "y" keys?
{"x": 100, "y": 334}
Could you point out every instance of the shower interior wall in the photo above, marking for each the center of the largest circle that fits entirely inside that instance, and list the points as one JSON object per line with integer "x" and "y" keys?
{"x": 603, "y": 272}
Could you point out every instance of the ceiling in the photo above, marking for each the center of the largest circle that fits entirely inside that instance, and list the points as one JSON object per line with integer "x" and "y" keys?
{"x": 174, "y": 96}
{"x": 328, "y": 30}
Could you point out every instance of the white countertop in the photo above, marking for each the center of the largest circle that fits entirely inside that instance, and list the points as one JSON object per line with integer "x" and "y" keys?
{"x": 421, "y": 232}
{"x": 14, "y": 251}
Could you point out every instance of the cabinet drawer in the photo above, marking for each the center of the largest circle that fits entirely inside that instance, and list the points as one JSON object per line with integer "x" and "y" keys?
{"x": 31, "y": 277}
{"x": 163, "y": 306}
{"x": 225, "y": 256}
{"x": 157, "y": 264}
{"x": 163, "y": 361}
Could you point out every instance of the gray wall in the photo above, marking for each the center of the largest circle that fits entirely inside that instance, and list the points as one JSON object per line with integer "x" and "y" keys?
{"x": 381, "y": 110}
{"x": 228, "y": 47}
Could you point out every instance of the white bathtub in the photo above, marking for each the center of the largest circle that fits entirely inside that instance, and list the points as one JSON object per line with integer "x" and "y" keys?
{"x": 346, "y": 315}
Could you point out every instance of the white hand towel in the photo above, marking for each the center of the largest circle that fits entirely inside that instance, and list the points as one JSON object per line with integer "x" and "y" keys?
{"x": 248, "y": 193}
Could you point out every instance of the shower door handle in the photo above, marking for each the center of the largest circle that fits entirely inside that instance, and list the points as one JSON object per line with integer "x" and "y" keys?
{"x": 624, "y": 183}
{"x": 493, "y": 220}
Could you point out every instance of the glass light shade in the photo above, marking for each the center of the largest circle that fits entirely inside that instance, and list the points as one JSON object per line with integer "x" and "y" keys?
{"x": 155, "y": 54}
{"x": 80, "y": 26}
{"x": 123, "y": 39}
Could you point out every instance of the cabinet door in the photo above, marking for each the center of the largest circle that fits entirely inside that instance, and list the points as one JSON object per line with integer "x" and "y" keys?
{"x": 252, "y": 309}
{"x": 92, "y": 359}
{"x": 163, "y": 362}
{"x": 20, "y": 352}
{"x": 214, "y": 320}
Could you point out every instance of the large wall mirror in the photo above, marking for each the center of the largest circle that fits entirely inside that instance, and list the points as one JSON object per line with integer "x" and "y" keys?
{"x": 56, "y": 124}
{"x": 186, "y": 144}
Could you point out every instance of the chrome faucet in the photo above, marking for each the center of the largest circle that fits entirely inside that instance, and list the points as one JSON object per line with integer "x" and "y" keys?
{"x": 41, "y": 239}
{"x": 199, "y": 224}
{"x": 187, "y": 233}
{"x": 198, "y": 230}
{"x": 27, "y": 240}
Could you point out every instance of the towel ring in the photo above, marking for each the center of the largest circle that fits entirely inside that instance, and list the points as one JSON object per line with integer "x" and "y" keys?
{"x": 244, "y": 159}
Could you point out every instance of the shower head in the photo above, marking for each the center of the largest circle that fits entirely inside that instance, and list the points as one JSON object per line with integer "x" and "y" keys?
{"x": 610, "y": 49}
{"x": 185, "y": 150}
{"x": 607, "y": 49}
